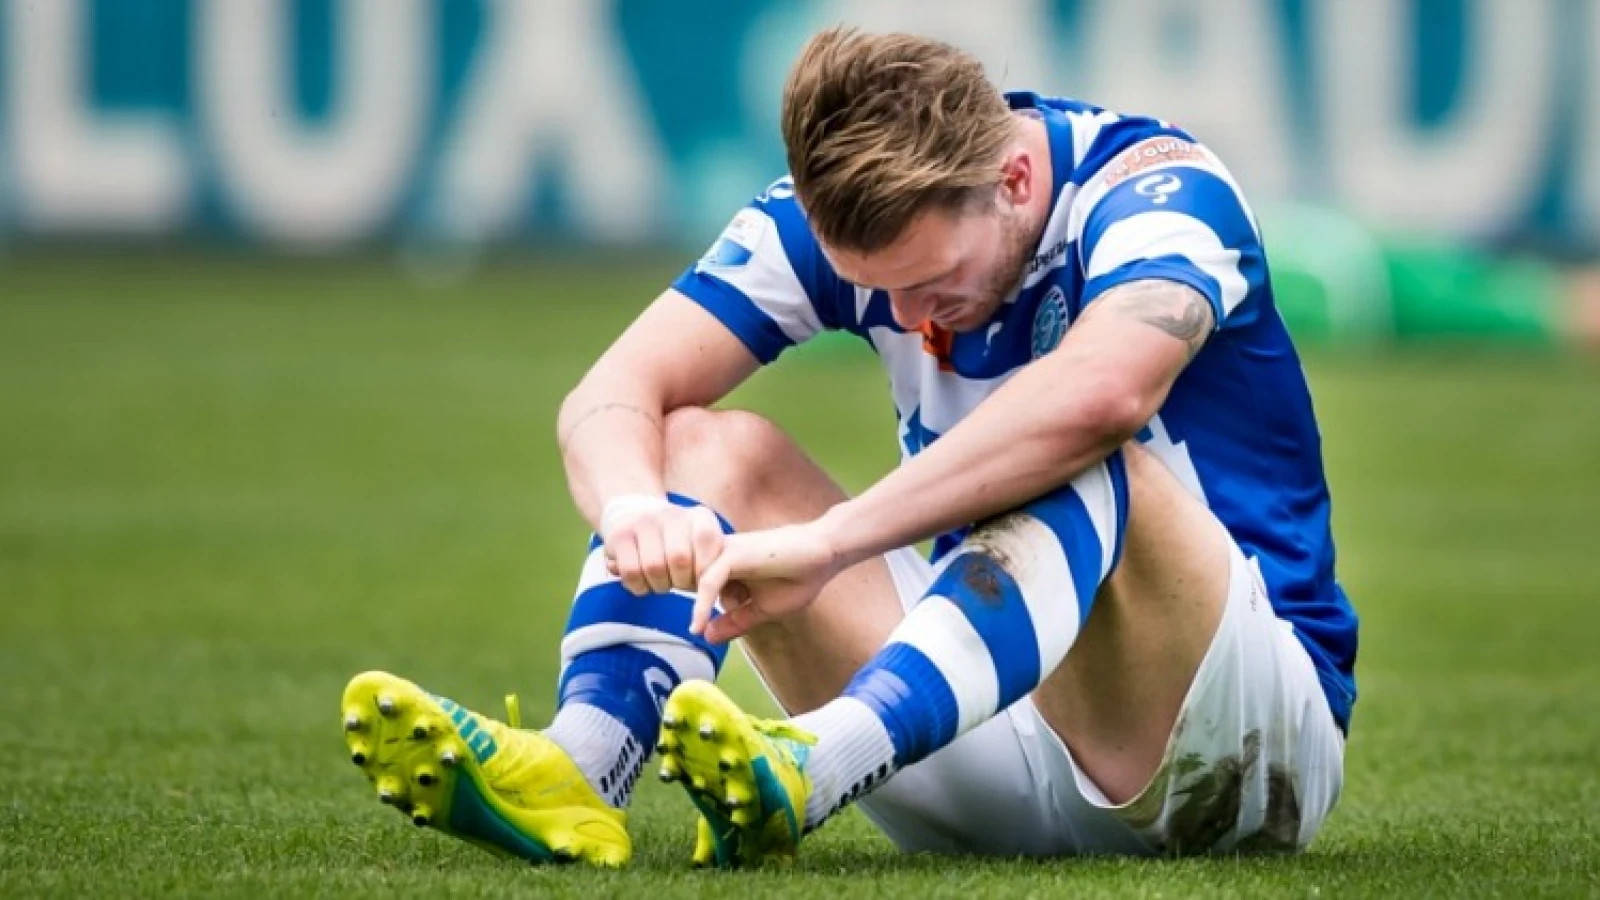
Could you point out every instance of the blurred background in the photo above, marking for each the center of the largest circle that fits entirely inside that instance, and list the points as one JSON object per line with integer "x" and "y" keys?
{"x": 290, "y": 291}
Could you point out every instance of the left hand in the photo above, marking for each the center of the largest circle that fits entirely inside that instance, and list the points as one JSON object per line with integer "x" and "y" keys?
{"x": 763, "y": 575}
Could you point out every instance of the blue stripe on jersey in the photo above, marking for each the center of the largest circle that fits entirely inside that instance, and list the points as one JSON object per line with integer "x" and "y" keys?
{"x": 749, "y": 324}
{"x": 1206, "y": 198}
{"x": 992, "y": 601}
{"x": 832, "y": 297}
{"x": 1166, "y": 268}
{"x": 911, "y": 698}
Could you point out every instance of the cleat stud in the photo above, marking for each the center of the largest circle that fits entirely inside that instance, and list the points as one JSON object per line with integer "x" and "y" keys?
{"x": 386, "y": 705}
{"x": 725, "y": 763}
{"x": 358, "y": 758}
{"x": 670, "y": 721}
{"x": 698, "y": 782}
{"x": 743, "y": 816}
{"x": 662, "y": 747}
{"x": 733, "y": 801}
{"x": 352, "y": 722}
{"x": 426, "y": 778}
{"x": 390, "y": 790}
{"x": 449, "y": 759}
{"x": 670, "y": 770}
{"x": 707, "y": 731}
{"x": 421, "y": 815}
{"x": 419, "y": 820}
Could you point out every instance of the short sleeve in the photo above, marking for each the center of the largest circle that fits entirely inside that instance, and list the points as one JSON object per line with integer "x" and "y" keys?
{"x": 1181, "y": 219}
{"x": 765, "y": 278}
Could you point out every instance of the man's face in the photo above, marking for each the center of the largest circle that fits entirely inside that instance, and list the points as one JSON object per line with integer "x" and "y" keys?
{"x": 951, "y": 268}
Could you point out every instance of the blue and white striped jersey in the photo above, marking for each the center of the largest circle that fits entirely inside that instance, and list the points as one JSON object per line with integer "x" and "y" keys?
{"x": 1134, "y": 198}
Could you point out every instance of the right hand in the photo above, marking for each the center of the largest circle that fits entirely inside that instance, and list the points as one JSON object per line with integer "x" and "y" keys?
{"x": 654, "y": 546}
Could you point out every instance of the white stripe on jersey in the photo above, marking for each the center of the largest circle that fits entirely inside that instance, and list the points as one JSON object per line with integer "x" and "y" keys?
{"x": 1152, "y": 234}
{"x": 767, "y": 277}
{"x": 1056, "y": 243}
{"x": 1085, "y": 129}
{"x": 944, "y": 398}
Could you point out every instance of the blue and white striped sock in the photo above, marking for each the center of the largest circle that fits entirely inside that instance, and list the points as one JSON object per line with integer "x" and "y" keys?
{"x": 621, "y": 656}
{"x": 999, "y": 618}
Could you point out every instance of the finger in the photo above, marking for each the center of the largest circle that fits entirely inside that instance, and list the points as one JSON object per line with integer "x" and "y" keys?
{"x": 705, "y": 598}
{"x": 706, "y": 533}
{"x": 677, "y": 544}
{"x": 611, "y": 564}
{"x": 734, "y": 623}
{"x": 736, "y": 593}
{"x": 653, "y": 559}
{"x": 624, "y": 548}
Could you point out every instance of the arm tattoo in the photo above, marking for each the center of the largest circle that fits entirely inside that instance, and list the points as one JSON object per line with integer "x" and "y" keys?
{"x": 1177, "y": 309}
{"x": 597, "y": 410}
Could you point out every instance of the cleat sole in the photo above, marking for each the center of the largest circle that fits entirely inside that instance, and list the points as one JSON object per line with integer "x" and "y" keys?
{"x": 719, "y": 774}
{"x": 420, "y": 766}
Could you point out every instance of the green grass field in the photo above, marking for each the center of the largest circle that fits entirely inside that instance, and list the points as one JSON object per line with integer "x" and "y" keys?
{"x": 225, "y": 486}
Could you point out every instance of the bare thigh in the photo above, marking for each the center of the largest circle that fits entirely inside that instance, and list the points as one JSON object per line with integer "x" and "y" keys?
{"x": 1116, "y": 697}
{"x": 752, "y": 473}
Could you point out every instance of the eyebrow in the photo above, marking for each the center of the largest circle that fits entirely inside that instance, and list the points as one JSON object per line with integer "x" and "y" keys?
{"x": 921, "y": 284}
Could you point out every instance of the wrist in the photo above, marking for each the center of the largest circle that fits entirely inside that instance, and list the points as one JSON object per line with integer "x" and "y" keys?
{"x": 626, "y": 506}
{"x": 834, "y": 531}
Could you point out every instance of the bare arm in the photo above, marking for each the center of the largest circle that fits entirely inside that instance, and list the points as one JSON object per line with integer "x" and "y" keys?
{"x": 609, "y": 428}
{"x": 1053, "y": 420}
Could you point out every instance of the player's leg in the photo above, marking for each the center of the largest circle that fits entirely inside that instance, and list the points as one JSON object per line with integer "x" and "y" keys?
{"x": 1162, "y": 739}
{"x": 1156, "y": 644}
{"x": 999, "y": 619}
{"x": 528, "y": 792}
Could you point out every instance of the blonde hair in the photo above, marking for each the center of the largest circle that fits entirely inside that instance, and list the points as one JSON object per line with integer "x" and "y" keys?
{"x": 880, "y": 128}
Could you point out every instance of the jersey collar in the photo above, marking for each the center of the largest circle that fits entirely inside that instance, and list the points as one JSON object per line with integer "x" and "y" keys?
{"x": 1057, "y": 129}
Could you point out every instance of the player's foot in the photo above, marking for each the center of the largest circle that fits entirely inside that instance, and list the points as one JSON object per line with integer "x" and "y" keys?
{"x": 746, "y": 776}
{"x": 503, "y": 788}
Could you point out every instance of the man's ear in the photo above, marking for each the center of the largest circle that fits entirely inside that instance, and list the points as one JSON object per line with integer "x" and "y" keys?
{"x": 1016, "y": 177}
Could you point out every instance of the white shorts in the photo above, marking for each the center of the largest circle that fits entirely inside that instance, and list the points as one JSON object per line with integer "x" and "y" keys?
{"x": 1255, "y": 761}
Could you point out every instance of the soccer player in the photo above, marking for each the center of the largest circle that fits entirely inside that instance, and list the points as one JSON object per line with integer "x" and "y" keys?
{"x": 1128, "y": 639}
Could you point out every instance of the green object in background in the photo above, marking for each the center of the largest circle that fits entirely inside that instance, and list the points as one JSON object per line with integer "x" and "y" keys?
{"x": 1445, "y": 291}
{"x": 1336, "y": 281}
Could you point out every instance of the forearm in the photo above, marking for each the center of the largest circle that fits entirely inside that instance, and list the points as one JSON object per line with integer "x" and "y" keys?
{"x": 1052, "y": 421}
{"x": 611, "y": 445}
{"x": 1024, "y": 441}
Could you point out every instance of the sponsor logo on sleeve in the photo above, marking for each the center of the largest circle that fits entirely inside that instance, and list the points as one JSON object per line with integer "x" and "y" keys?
{"x": 737, "y": 243}
{"x": 1151, "y": 152}
{"x": 1158, "y": 187}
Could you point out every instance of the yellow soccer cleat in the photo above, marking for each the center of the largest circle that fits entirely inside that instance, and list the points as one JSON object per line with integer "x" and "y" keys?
{"x": 745, "y": 775}
{"x": 505, "y": 789}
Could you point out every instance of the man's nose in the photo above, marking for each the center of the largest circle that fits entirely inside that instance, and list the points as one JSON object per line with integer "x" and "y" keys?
{"x": 910, "y": 308}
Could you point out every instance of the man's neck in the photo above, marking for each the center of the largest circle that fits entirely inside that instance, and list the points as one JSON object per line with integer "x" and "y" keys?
{"x": 1035, "y": 137}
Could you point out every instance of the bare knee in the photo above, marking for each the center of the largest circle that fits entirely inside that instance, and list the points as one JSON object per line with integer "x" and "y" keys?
{"x": 721, "y": 456}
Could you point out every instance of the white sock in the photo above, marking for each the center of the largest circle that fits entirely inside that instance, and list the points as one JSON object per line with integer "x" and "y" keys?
{"x": 604, "y": 749}
{"x": 852, "y": 756}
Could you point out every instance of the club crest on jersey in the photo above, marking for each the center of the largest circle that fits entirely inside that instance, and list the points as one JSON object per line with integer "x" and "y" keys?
{"x": 737, "y": 243}
{"x": 1050, "y": 321}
